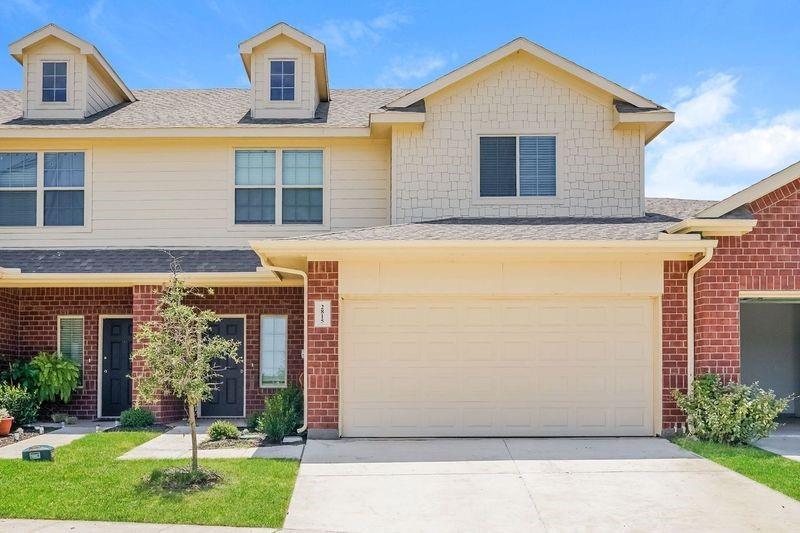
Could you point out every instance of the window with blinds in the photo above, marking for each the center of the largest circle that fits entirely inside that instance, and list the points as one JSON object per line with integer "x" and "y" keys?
{"x": 517, "y": 166}
{"x": 70, "y": 341}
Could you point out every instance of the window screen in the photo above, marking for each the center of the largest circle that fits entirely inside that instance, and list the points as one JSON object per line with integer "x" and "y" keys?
{"x": 54, "y": 81}
{"x": 281, "y": 80}
{"x": 273, "y": 351}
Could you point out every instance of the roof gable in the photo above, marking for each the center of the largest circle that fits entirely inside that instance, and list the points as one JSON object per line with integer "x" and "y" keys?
{"x": 18, "y": 47}
{"x": 752, "y": 193}
{"x": 282, "y": 29}
{"x": 525, "y": 45}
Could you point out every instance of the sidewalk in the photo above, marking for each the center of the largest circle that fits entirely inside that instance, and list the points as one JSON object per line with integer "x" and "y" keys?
{"x": 59, "y": 437}
{"x": 177, "y": 444}
{"x": 73, "y": 526}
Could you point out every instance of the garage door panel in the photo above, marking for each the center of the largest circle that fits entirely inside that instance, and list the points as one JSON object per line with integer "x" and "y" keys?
{"x": 515, "y": 367}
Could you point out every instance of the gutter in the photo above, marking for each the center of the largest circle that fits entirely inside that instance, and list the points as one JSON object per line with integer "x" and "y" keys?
{"x": 283, "y": 270}
{"x": 707, "y": 255}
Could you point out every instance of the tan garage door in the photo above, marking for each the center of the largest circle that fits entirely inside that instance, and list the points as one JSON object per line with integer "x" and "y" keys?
{"x": 419, "y": 367}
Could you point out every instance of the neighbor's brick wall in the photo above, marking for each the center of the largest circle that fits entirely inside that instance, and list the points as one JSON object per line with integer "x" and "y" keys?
{"x": 254, "y": 302}
{"x": 39, "y": 310}
{"x": 673, "y": 340}
{"x": 323, "y": 348}
{"x": 768, "y": 258}
{"x": 599, "y": 168}
{"x": 9, "y": 310}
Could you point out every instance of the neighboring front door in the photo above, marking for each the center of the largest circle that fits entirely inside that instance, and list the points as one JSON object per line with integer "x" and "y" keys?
{"x": 228, "y": 398}
{"x": 117, "y": 344}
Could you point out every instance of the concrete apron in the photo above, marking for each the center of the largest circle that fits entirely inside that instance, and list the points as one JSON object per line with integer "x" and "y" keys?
{"x": 510, "y": 485}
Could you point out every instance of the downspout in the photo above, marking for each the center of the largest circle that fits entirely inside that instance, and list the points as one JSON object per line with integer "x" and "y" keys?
{"x": 707, "y": 255}
{"x": 302, "y": 274}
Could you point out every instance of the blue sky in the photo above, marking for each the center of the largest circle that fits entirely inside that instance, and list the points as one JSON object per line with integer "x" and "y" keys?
{"x": 730, "y": 69}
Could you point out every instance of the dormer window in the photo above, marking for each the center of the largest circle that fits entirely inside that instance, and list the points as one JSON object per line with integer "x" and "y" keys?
{"x": 54, "y": 81}
{"x": 281, "y": 80}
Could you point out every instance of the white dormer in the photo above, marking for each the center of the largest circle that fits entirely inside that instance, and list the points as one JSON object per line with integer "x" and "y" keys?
{"x": 288, "y": 73}
{"x": 65, "y": 77}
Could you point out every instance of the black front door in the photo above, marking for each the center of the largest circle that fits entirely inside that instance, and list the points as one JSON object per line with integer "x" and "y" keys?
{"x": 228, "y": 397}
{"x": 117, "y": 344}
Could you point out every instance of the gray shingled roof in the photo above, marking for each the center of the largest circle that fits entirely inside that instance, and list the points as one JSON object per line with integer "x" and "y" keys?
{"x": 661, "y": 213}
{"x": 142, "y": 261}
{"x": 205, "y": 108}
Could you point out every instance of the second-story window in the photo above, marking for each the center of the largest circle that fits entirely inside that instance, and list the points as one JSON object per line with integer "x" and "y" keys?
{"x": 517, "y": 166}
{"x": 63, "y": 188}
{"x": 281, "y": 80}
{"x": 278, "y": 187}
{"x": 54, "y": 81}
{"x": 60, "y": 186}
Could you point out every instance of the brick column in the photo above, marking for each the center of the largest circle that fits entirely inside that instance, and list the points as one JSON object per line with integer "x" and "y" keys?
{"x": 9, "y": 322}
{"x": 716, "y": 310}
{"x": 323, "y": 352}
{"x": 674, "y": 347}
{"x": 145, "y": 303}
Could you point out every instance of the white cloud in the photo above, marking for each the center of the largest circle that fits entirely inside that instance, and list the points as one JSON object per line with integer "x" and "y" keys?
{"x": 402, "y": 70}
{"x": 33, "y": 8}
{"x": 348, "y": 36}
{"x": 704, "y": 154}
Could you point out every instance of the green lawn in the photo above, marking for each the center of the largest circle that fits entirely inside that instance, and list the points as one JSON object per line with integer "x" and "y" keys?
{"x": 767, "y": 468}
{"x": 86, "y": 483}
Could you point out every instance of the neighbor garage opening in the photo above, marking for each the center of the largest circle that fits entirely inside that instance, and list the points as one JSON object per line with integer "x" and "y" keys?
{"x": 770, "y": 346}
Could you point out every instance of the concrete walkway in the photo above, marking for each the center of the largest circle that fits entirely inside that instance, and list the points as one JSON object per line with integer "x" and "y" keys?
{"x": 177, "y": 444}
{"x": 73, "y": 526}
{"x": 523, "y": 485}
{"x": 57, "y": 438}
{"x": 784, "y": 441}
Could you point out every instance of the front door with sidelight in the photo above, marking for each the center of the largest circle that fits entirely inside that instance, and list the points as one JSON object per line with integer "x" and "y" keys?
{"x": 117, "y": 345}
{"x": 228, "y": 397}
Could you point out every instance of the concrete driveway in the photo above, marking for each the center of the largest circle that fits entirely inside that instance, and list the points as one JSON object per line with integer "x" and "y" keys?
{"x": 509, "y": 485}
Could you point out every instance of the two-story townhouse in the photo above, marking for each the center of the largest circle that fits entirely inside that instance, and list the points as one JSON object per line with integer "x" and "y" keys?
{"x": 472, "y": 257}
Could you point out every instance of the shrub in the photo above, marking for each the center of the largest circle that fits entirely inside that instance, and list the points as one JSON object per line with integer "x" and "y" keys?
{"x": 252, "y": 421}
{"x": 20, "y": 373}
{"x": 21, "y": 404}
{"x": 283, "y": 414}
{"x": 137, "y": 418}
{"x": 56, "y": 377}
{"x": 729, "y": 413}
{"x": 222, "y": 429}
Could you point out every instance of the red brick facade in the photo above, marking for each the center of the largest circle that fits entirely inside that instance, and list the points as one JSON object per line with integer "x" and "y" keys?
{"x": 37, "y": 329}
{"x": 673, "y": 340}
{"x": 323, "y": 350}
{"x": 29, "y": 318}
{"x": 766, "y": 259}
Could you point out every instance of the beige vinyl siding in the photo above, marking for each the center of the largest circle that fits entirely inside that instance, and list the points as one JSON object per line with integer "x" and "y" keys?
{"x": 100, "y": 93}
{"x": 180, "y": 192}
{"x": 306, "y": 98}
{"x": 52, "y": 49}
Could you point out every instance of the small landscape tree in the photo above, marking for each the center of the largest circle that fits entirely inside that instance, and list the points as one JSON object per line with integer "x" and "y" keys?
{"x": 180, "y": 353}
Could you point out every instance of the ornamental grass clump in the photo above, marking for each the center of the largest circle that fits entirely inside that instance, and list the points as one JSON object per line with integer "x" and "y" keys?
{"x": 729, "y": 413}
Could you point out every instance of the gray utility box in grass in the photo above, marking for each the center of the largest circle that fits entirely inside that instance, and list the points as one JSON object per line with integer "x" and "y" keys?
{"x": 41, "y": 452}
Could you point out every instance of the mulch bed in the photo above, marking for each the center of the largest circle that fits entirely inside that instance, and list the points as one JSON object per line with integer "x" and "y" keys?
{"x": 28, "y": 433}
{"x": 224, "y": 444}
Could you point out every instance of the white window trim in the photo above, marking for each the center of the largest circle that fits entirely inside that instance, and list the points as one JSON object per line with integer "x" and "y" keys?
{"x": 260, "y": 336}
{"x": 40, "y": 188}
{"x": 70, "y": 80}
{"x": 297, "y": 79}
{"x": 58, "y": 343}
{"x": 278, "y": 186}
{"x": 516, "y": 200}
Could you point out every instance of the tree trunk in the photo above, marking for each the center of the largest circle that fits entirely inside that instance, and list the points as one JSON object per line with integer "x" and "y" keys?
{"x": 193, "y": 429}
